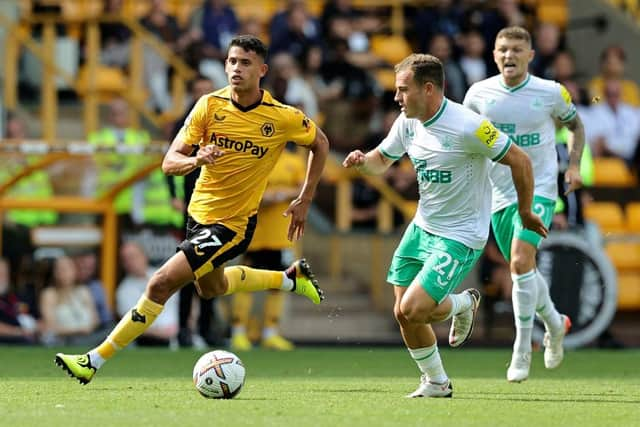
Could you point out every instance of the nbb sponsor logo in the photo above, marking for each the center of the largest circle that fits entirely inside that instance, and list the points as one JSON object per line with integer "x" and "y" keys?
{"x": 245, "y": 146}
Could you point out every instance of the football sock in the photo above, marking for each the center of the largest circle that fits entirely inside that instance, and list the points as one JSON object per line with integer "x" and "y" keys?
{"x": 246, "y": 279}
{"x": 545, "y": 307}
{"x": 524, "y": 307}
{"x": 240, "y": 309}
{"x": 429, "y": 363}
{"x": 130, "y": 327}
{"x": 273, "y": 303}
{"x": 459, "y": 303}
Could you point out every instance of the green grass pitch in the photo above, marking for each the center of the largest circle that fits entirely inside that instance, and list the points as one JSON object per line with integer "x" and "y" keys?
{"x": 335, "y": 387}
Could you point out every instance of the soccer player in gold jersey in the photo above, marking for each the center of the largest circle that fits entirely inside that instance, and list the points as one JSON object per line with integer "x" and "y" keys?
{"x": 241, "y": 131}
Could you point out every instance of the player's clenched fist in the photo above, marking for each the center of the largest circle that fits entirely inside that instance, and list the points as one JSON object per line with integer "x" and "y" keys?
{"x": 208, "y": 154}
{"x": 355, "y": 158}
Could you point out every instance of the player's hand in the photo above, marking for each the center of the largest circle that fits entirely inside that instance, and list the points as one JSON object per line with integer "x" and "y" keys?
{"x": 354, "y": 158}
{"x": 298, "y": 209}
{"x": 207, "y": 155}
{"x": 573, "y": 178}
{"x": 177, "y": 204}
{"x": 533, "y": 222}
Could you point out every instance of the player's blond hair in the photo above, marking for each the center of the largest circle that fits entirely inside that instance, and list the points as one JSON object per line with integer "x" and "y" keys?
{"x": 517, "y": 33}
{"x": 426, "y": 68}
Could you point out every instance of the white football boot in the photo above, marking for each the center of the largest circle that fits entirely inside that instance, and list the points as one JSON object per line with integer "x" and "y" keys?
{"x": 519, "y": 367}
{"x": 462, "y": 324}
{"x": 553, "y": 349}
{"x": 429, "y": 389}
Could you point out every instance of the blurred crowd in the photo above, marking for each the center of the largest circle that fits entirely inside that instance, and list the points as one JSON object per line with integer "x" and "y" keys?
{"x": 325, "y": 64}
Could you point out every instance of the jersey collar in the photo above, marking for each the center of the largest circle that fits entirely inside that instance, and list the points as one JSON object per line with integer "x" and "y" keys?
{"x": 248, "y": 107}
{"x": 516, "y": 87}
{"x": 438, "y": 113}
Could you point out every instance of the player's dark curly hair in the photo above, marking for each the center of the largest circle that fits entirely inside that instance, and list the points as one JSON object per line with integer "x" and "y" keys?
{"x": 250, "y": 43}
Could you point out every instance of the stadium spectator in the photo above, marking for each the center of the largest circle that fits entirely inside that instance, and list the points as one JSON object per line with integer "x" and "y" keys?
{"x": 472, "y": 60}
{"x": 615, "y": 126}
{"x": 147, "y": 202}
{"x": 114, "y": 37}
{"x": 286, "y": 82}
{"x": 211, "y": 27}
{"x": 198, "y": 87}
{"x": 443, "y": 17}
{"x": 69, "y": 315}
{"x": 612, "y": 67}
{"x": 165, "y": 27}
{"x": 137, "y": 273}
{"x": 441, "y": 47}
{"x": 279, "y": 22}
{"x": 86, "y": 263}
{"x": 270, "y": 250}
{"x": 17, "y": 326}
{"x": 295, "y": 38}
{"x": 547, "y": 42}
{"x": 358, "y": 99}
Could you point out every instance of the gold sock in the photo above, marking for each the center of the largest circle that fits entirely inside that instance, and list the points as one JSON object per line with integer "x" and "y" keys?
{"x": 246, "y": 279}
{"x": 130, "y": 327}
{"x": 273, "y": 303}
{"x": 240, "y": 308}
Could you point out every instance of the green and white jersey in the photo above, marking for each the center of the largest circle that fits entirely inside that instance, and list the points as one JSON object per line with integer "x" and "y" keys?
{"x": 450, "y": 154}
{"x": 525, "y": 113}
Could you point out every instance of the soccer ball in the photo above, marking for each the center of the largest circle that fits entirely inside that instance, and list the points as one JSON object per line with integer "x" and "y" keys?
{"x": 219, "y": 374}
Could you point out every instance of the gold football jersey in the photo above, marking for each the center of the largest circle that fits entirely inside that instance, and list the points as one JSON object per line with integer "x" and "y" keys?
{"x": 252, "y": 138}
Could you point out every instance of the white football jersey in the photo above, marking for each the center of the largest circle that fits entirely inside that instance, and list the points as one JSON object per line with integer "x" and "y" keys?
{"x": 525, "y": 113}
{"x": 450, "y": 154}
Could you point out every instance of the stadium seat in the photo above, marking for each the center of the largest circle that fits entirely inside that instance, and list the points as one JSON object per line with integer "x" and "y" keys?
{"x": 109, "y": 81}
{"x": 608, "y": 215}
{"x": 75, "y": 11}
{"x": 629, "y": 291}
{"x": 391, "y": 49}
{"x": 633, "y": 217}
{"x": 612, "y": 172}
{"x": 625, "y": 256}
{"x": 386, "y": 77}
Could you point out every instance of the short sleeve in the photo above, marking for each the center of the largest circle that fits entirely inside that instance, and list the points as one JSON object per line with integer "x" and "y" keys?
{"x": 301, "y": 130}
{"x": 195, "y": 125}
{"x": 484, "y": 138}
{"x": 563, "y": 107}
{"x": 392, "y": 146}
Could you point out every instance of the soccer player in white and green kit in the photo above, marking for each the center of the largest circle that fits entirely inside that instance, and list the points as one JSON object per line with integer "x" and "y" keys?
{"x": 451, "y": 149}
{"x": 524, "y": 107}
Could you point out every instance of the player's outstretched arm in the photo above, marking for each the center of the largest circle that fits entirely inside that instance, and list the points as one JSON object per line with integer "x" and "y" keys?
{"x": 576, "y": 147}
{"x": 299, "y": 207}
{"x": 522, "y": 175}
{"x": 371, "y": 163}
{"x": 178, "y": 161}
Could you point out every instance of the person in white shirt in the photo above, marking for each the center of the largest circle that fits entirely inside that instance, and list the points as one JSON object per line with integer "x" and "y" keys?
{"x": 450, "y": 148}
{"x": 616, "y": 125}
{"x": 524, "y": 107}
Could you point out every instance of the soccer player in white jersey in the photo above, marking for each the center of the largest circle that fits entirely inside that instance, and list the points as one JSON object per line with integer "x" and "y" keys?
{"x": 450, "y": 147}
{"x": 524, "y": 107}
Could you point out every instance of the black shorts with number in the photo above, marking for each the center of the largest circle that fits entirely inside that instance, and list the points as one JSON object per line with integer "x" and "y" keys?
{"x": 210, "y": 246}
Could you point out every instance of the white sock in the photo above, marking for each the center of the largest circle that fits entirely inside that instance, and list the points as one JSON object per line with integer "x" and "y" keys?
{"x": 429, "y": 363}
{"x": 524, "y": 296}
{"x": 287, "y": 284}
{"x": 459, "y": 303}
{"x": 269, "y": 332}
{"x": 545, "y": 307}
{"x": 96, "y": 360}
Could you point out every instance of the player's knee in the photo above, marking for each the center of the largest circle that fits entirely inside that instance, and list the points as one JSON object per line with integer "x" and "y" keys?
{"x": 520, "y": 264}
{"x": 159, "y": 288}
{"x": 412, "y": 312}
{"x": 400, "y": 317}
{"x": 211, "y": 287}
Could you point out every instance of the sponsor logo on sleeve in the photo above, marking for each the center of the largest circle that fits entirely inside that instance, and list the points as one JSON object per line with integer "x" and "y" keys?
{"x": 565, "y": 94}
{"x": 487, "y": 133}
